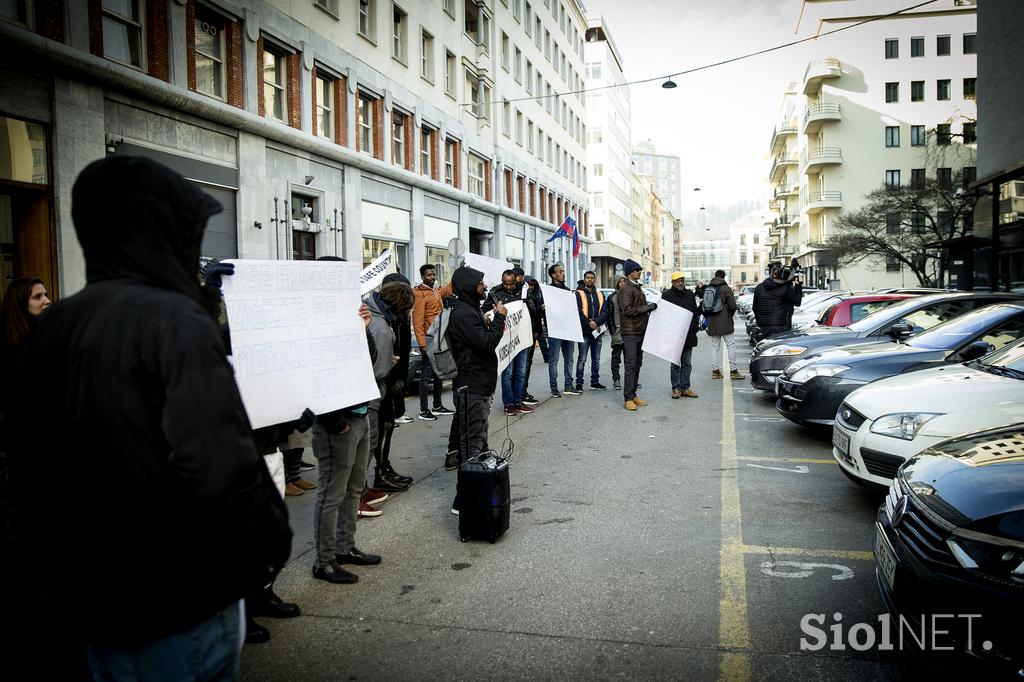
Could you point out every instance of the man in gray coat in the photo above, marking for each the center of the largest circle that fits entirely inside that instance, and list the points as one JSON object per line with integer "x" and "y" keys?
{"x": 719, "y": 307}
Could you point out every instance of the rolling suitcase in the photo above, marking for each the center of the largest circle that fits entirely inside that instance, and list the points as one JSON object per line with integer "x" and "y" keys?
{"x": 483, "y": 489}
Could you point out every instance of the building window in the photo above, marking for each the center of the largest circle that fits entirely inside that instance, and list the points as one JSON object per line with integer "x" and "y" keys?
{"x": 743, "y": 240}
{"x": 427, "y": 151}
{"x": 916, "y": 91}
{"x": 892, "y": 264}
{"x": 450, "y": 151}
{"x": 892, "y": 223}
{"x": 476, "y": 170}
{"x": 368, "y": 19}
{"x": 529, "y": 77}
{"x": 944, "y": 177}
{"x": 519, "y": 128}
{"x": 517, "y": 9}
{"x": 917, "y": 136}
{"x": 598, "y": 170}
{"x": 917, "y": 178}
{"x": 969, "y": 88}
{"x": 892, "y": 136}
{"x": 518, "y": 65}
{"x": 969, "y": 44}
{"x": 398, "y": 139}
{"x": 968, "y": 175}
{"x": 942, "y": 89}
{"x": 481, "y": 96}
{"x": 892, "y": 179}
{"x": 529, "y": 136}
{"x": 449, "y": 74}
{"x": 506, "y": 118}
{"x": 399, "y": 43}
{"x": 325, "y": 107}
{"x": 528, "y": 23}
{"x": 275, "y": 98}
{"x": 365, "y": 123}
{"x": 892, "y": 92}
{"x": 942, "y": 135}
{"x": 917, "y": 47}
{"x": 941, "y": 45}
{"x": 427, "y": 55}
{"x": 506, "y": 52}
{"x": 449, "y": 8}
{"x": 892, "y": 48}
{"x": 18, "y": 11}
{"x": 970, "y": 133}
{"x": 917, "y": 223}
{"x": 209, "y": 53}
{"x": 123, "y": 39}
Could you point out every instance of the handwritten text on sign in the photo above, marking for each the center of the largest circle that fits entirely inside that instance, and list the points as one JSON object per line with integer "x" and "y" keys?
{"x": 373, "y": 274}
{"x": 297, "y": 339}
{"x": 518, "y": 334}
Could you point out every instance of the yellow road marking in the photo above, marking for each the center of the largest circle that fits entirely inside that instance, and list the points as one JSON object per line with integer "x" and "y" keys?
{"x": 803, "y": 551}
{"x": 733, "y": 629}
{"x": 798, "y": 460}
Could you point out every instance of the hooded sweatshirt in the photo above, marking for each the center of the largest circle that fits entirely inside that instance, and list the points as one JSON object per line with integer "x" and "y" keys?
{"x": 473, "y": 339}
{"x": 147, "y": 447}
{"x": 774, "y": 300}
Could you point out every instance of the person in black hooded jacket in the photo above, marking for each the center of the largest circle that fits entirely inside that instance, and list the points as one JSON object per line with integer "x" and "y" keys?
{"x": 473, "y": 341}
{"x": 774, "y": 300}
{"x": 156, "y": 493}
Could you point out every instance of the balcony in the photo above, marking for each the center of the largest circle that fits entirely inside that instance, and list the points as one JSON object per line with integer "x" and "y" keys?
{"x": 780, "y": 164}
{"x": 785, "y": 220}
{"x": 819, "y": 114}
{"x": 813, "y": 160}
{"x": 817, "y": 72}
{"x": 783, "y": 250}
{"x": 779, "y": 136}
{"x": 819, "y": 201}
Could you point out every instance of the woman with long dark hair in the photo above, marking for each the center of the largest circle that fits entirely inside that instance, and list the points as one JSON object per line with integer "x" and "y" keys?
{"x": 24, "y": 301}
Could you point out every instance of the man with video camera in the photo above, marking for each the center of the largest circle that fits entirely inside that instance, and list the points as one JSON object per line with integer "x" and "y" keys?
{"x": 775, "y": 298}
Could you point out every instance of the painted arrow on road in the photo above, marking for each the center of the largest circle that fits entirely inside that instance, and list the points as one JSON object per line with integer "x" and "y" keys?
{"x": 799, "y": 469}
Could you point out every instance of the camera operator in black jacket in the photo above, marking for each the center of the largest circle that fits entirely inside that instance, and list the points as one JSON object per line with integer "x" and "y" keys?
{"x": 775, "y": 298}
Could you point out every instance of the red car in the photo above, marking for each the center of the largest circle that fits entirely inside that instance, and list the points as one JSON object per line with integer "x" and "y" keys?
{"x": 849, "y": 310}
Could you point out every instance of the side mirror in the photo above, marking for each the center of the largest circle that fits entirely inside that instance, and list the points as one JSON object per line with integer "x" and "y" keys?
{"x": 975, "y": 350}
{"x": 900, "y": 330}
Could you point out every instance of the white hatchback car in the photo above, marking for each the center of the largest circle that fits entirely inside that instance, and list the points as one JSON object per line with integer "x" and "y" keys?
{"x": 885, "y": 423}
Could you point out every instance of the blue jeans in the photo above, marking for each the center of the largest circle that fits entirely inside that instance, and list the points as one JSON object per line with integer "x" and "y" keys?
{"x": 680, "y": 373}
{"x": 566, "y": 348}
{"x": 209, "y": 651}
{"x": 342, "y": 460}
{"x": 513, "y": 380}
{"x": 595, "y": 358}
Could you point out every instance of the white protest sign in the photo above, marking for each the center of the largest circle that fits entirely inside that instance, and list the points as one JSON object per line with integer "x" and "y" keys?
{"x": 297, "y": 339}
{"x": 491, "y": 267}
{"x": 518, "y": 334}
{"x": 561, "y": 313}
{"x": 600, "y": 330}
{"x": 666, "y": 331}
{"x": 373, "y": 274}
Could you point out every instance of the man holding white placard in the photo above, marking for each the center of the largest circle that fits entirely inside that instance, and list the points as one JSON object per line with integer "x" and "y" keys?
{"x": 562, "y": 321}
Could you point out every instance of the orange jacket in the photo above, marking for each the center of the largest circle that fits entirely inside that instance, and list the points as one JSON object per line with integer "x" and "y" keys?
{"x": 429, "y": 303}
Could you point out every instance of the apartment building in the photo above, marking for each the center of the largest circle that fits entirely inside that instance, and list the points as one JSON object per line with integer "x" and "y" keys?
{"x": 665, "y": 169}
{"x": 702, "y": 258}
{"x": 750, "y": 249}
{"x": 324, "y": 127}
{"x": 887, "y": 104}
{"x": 610, "y": 169}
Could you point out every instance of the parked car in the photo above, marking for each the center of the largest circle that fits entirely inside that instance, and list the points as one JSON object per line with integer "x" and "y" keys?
{"x": 949, "y": 539}
{"x": 772, "y": 356}
{"x": 745, "y": 298}
{"x": 852, "y": 309}
{"x": 811, "y": 390}
{"x": 883, "y": 424}
{"x": 653, "y": 295}
{"x": 806, "y": 316}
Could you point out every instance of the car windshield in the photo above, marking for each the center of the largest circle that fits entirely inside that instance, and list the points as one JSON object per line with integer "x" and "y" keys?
{"x": 858, "y": 311}
{"x": 892, "y": 313}
{"x": 954, "y": 332}
{"x": 1010, "y": 357}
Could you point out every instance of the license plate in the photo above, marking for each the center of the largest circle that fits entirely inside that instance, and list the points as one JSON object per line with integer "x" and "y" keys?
{"x": 841, "y": 441}
{"x": 886, "y": 556}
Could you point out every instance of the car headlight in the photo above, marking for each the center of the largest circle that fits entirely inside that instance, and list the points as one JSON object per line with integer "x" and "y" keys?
{"x": 817, "y": 370}
{"x": 903, "y": 425}
{"x": 988, "y": 554}
{"x": 783, "y": 349}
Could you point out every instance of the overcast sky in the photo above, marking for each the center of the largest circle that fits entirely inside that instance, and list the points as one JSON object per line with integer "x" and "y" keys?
{"x": 718, "y": 121}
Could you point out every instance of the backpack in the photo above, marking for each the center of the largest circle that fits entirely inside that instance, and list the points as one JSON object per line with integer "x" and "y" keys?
{"x": 712, "y": 302}
{"x": 439, "y": 351}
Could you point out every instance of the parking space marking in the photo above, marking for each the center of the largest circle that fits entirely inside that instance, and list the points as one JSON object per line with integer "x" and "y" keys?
{"x": 799, "y": 569}
{"x": 792, "y": 460}
{"x": 733, "y": 629}
{"x": 798, "y": 469}
{"x": 853, "y": 555}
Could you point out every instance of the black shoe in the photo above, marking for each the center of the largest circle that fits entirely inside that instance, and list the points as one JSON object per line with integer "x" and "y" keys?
{"x": 333, "y": 573}
{"x": 579, "y": 387}
{"x": 555, "y": 393}
{"x": 392, "y": 475}
{"x": 270, "y": 605}
{"x": 255, "y": 633}
{"x": 389, "y": 485}
{"x": 598, "y": 387}
{"x": 570, "y": 391}
{"x": 451, "y": 461}
{"x": 357, "y": 558}
{"x": 442, "y": 411}
{"x": 306, "y": 466}
{"x": 529, "y": 400}
{"x": 427, "y": 416}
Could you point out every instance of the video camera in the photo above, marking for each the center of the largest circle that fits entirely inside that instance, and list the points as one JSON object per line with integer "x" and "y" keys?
{"x": 779, "y": 270}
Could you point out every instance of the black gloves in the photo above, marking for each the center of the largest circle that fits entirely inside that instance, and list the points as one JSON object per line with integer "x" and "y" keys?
{"x": 306, "y": 421}
{"x": 215, "y": 271}
{"x": 651, "y": 307}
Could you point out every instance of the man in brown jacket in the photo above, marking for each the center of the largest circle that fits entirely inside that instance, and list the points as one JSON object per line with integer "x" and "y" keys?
{"x": 429, "y": 302}
{"x": 719, "y": 308}
{"x": 633, "y": 313}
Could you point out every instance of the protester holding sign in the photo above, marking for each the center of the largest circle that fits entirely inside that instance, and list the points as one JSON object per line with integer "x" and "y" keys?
{"x": 533, "y": 304}
{"x": 634, "y": 311}
{"x": 679, "y": 374}
{"x": 593, "y": 315}
{"x": 557, "y": 344}
{"x": 513, "y": 377}
{"x": 429, "y": 302}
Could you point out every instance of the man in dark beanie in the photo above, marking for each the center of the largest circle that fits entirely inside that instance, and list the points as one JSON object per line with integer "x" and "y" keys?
{"x": 140, "y": 399}
{"x": 633, "y": 321}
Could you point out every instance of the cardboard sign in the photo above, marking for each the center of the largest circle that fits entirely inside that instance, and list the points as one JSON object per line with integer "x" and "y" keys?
{"x": 297, "y": 339}
{"x": 373, "y": 274}
{"x": 666, "y": 332}
{"x": 491, "y": 267}
{"x": 518, "y": 334}
{"x": 561, "y": 313}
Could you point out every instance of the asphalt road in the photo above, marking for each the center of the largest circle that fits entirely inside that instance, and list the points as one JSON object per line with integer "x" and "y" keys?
{"x": 682, "y": 541}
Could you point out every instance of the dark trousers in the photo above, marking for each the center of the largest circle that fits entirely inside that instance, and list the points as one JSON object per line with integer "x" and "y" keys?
{"x": 477, "y": 409}
{"x": 634, "y": 359}
{"x": 616, "y": 360}
{"x": 529, "y": 366}
{"x": 594, "y": 346}
{"x": 680, "y": 372}
{"x": 427, "y": 375}
{"x": 292, "y": 464}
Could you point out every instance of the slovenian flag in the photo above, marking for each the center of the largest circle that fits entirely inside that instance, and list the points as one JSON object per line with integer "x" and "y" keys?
{"x": 568, "y": 229}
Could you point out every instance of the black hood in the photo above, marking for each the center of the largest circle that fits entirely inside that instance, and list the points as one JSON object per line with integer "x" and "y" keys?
{"x": 464, "y": 281}
{"x": 137, "y": 219}
{"x": 772, "y": 283}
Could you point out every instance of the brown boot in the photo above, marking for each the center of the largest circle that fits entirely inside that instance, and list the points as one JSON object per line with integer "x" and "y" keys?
{"x": 676, "y": 393}
{"x": 292, "y": 489}
{"x": 735, "y": 374}
{"x": 305, "y": 485}
{"x": 688, "y": 393}
{"x": 716, "y": 374}
{"x": 629, "y": 405}
{"x": 638, "y": 401}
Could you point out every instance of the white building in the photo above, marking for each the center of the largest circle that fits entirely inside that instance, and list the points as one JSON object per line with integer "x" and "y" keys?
{"x": 396, "y": 124}
{"x": 702, "y": 258}
{"x": 665, "y": 170}
{"x": 609, "y": 171}
{"x": 886, "y": 103}
{"x": 750, "y": 249}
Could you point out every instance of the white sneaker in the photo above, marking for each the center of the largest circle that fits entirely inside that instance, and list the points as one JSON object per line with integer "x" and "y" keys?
{"x": 404, "y": 420}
